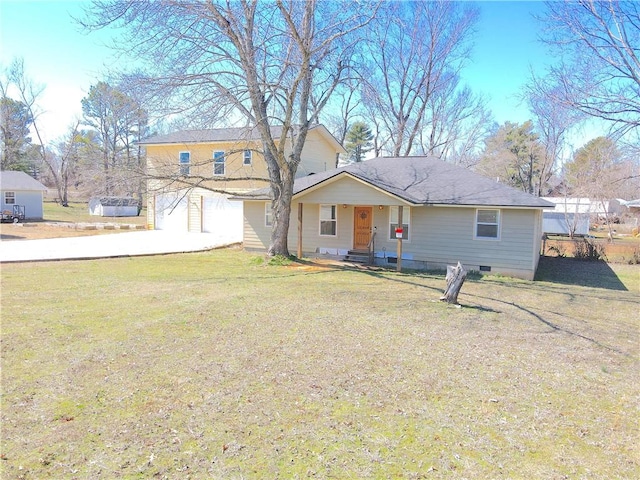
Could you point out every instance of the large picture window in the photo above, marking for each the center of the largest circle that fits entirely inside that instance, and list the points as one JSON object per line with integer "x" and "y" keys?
{"x": 185, "y": 163}
{"x": 487, "y": 224}
{"x": 218, "y": 163}
{"x": 393, "y": 222}
{"x": 328, "y": 220}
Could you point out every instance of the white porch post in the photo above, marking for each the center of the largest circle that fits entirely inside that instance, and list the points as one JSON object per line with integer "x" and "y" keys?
{"x": 399, "y": 249}
{"x": 300, "y": 230}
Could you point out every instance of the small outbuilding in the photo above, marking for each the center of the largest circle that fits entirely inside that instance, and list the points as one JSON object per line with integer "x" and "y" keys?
{"x": 21, "y": 192}
{"x": 114, "y": 206}
{"x": 565, "y": 223}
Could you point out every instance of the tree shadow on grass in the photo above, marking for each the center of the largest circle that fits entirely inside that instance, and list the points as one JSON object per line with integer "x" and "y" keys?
{"x": 570, "y": 271}
{"x": 566, "y": 271}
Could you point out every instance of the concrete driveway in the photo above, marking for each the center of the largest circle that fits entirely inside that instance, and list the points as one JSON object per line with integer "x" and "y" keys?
{"x": 151, "y": 242}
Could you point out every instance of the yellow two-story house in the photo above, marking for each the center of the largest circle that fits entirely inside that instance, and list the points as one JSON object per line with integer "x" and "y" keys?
{"x": 192, "y": 174}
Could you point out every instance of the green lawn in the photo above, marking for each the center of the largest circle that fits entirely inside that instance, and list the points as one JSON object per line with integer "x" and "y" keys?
{"x": 213, "y": 365}
{"x": 78, "y": 212}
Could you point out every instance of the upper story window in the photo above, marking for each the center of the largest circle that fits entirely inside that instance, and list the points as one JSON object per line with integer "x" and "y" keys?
{"x": 218, "y": 163}
{"x": 247, "y": 157}
{"x": 10, "y": 198}
{"x": 185, "y": 163}
{"x": 393, "y": 222}
{"x": 328, "y": 220}
{"x": 487, "y": 224}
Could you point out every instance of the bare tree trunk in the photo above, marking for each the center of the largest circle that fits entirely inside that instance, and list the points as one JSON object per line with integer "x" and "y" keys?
{"x": 455, "y": 278}
{"x": 281, "y": 214}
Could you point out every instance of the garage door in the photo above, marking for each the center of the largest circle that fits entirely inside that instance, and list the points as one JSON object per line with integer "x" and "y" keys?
{"x": 172, "y": 212}
{"x": 222, "y": 217}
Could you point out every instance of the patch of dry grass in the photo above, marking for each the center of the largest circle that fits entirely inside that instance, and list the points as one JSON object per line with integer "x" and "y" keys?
{"x": 79, "y": 212}
{"x": 71, "y": 221}
{"x": 210, "y": 366}
{"x": 624, "y": 249}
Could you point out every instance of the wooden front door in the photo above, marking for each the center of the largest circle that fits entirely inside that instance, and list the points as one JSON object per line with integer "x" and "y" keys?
{"x": 363, "y": 216}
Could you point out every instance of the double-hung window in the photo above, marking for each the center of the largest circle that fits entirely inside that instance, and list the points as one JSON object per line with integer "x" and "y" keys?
{"x": 185, "y": 163}
{"x": 268, "y": 214}
{"x": 487, "y": 224}
{"x": 218, "y": 163}
{"x": 10, "y": 198}
{"x": 328, "y": 220}
{"x": 393, "y": 222}
{"x": 247, "y": 157}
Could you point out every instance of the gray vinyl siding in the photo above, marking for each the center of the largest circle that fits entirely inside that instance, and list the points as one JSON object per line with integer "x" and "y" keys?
{"x": 537, "y": 241}
{"x": 439, "y": 236}
{"x": 351, "y": 192}
{"x": 311, "y": 238}
{"x": 445, "y": 235}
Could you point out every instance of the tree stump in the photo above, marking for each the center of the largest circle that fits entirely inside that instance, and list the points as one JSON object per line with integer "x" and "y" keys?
{"x": 455, "y": 278}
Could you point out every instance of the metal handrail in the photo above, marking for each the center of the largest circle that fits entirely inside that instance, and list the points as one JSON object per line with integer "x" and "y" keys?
{"x": 371, "y": 246}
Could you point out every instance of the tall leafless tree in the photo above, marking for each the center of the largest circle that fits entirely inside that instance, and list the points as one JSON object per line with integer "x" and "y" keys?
{"x": 29, "y": 95}
{"x": 64, "y": 162}
{"x": 263, "y": 63}
{"x": 347, "y": 108}
{"x": 413, "y": 51}
{"x": 552, "y": 123}
{"x": 598, "y": 44}
{"x": 456, "y": 123}
{"x": 596, "y": 171}
{"x": 119, "y": 121}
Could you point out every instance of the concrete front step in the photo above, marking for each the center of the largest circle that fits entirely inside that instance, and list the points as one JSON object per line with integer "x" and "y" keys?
{"x": 357, "y": 256}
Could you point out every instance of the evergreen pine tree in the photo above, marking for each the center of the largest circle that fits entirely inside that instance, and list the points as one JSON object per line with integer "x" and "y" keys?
{"x": 358, "y": 141}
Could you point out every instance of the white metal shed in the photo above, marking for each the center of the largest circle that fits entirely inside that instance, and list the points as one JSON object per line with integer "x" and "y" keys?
{"x": 114, "y": 206}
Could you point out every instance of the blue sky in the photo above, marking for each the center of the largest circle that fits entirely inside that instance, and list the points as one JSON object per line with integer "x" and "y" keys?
{"x": 67, "y": 62}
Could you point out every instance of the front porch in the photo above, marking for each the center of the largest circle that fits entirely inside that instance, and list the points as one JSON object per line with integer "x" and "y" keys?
{"x": 363, "y": 234}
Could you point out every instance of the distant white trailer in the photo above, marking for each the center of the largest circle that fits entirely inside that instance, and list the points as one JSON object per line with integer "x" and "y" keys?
{"x": 114, "y": 207}
{"x": 558, "y": 223}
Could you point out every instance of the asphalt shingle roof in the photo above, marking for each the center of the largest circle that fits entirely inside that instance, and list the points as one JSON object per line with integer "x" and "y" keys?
{"x": 208, "y": 135}
{"x": 14, "y": 180}
{"x": 424, "y": 181}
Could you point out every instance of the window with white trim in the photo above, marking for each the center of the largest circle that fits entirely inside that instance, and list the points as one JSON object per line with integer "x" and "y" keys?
{"x": 268, "y": 214}
{"x": 218, "y": 163}
{"x": 10, "y": 198}
{"x": 487, "y": 224}
{"x": 185, "y": 163}
{"x": 393, "y": 222}
{"x": 328, "y": 220}
{"x": 247, "y": 157}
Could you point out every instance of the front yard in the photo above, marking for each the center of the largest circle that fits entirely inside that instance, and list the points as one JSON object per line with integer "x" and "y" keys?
{"x": 213, "y": 365}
